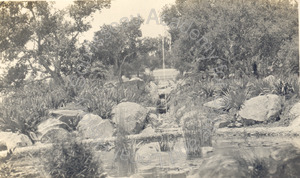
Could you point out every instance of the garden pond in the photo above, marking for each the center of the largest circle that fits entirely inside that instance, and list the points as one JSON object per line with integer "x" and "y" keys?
{"x": 228, "y": 157}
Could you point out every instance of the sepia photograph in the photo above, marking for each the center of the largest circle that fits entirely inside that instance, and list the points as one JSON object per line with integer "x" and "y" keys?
{"x": 149, "y": 89}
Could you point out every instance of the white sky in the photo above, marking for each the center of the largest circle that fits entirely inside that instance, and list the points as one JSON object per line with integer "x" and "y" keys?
{"x": 127, "y": 8}
{"x": 118, "y": 10}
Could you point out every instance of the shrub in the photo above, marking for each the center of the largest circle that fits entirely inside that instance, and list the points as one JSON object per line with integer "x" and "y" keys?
{"x": 135, "y": 92}
{"x": 197, "y": 134}
{"x": 223, "y": 88}
{"x": 236, "y": 94}
{"x": 55, "y": 95}
{"x": 7, "y": 169}
{"x": 148, "y": 78}
{"x": 256, "y": 167}
{"x": 235, "y": 99}
{"x": 208, "y": 89}
{"x": 98, "y": 99}
{"x": 167, "y": 142}
{"x": 241, "y": 83}
{"x": 288, "y": 88}
{"x": 18, "y": 118}
{"x": 125, "y": 151}
{"x": 189, "y": 97}
{"x": 283, "y": 88}
{"x": 23, "y": 109}
{"x": 261, "y": 87}
{"x": 71, "y": 158}
{"x": 260, "y": 168}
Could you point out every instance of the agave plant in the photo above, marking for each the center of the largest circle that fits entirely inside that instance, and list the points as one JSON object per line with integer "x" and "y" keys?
{"x": 209, "y": 89}
{"x": 223, "y": 87}
{"x": 235, "y": 98}
{"x": 261, "y": 87}
{"x": 99, "y": 101}
{"x": 287, "y": 88}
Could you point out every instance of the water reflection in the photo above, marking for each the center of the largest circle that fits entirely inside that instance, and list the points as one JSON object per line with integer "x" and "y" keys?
{"x": 264, "y": 157}
{"x": 254, "y": 157}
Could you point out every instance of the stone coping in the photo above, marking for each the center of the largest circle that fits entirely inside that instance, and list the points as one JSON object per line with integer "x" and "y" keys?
{"x": 223, "y": 132}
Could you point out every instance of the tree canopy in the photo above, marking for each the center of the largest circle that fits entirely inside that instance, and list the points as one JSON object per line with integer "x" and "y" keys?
{"x": 42, "y": 37}
{"x": 123, "y": 47}
{"x": 233, "y": 33}
{"x": 230, "y": 37}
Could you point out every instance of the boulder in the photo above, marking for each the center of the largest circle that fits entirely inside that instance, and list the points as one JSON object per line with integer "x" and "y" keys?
{"x": 153, "y": 90}
{"x": 93, "y": 127}
{"x": 130, "y": 116}
{"x": 63, "y": 112}
{"x": 216, "y": 104}
{"x": 70, "y": 117}
{"x": 295, "y": 113}
{"x": 261, "y": 108}
{"x": 172, "y": 84}
{"x": 220, "y": 166}
{"x": 136, "y": 79}
{"x": 10, "y": 141}
{"x": 55, "y": 135}
{"x": 52, "y": 129}
{"x": 269, "y": 79}
{"x": 295, "y": 123}
{"x": 295, "y": 110}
